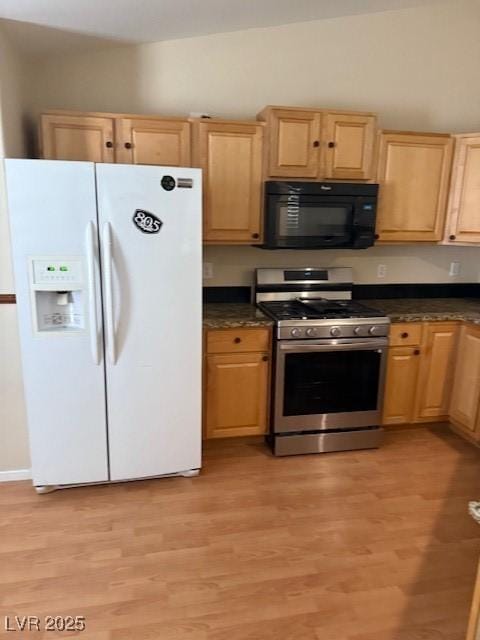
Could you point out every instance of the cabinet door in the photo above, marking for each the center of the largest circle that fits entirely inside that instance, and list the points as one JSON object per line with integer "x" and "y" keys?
{"x": 436, "y": 370}
{"x": 294, "y": 143}
{"x": 401, "y": 381}
{"x": 349, "y": 142}
{"x": 152, "y": 141}
{"x": 66, "y": 137}
{"x": 236, "y": 399}
{"x": 413, "y": 172}
{"x": 466, "y": 384}
{"x": 473, "y": 632}
{"x": 230, "y": 155}
{"x": 463, "y": 222}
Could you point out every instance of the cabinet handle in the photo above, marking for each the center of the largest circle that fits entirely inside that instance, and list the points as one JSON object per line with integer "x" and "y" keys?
{"x": 109, "y": 144}
{"x": 416, "y": 352}
{"x": 128, "y": 145}
{"x": 376, "y": 236}
{"x": 316, "y": 143}
{"x": 255, "y": 236}
{"x": 404, "y": 335}
{"x": 331, "y": 145}
{"x": 237, "y": 340}
{"x": 265, "y": 358}
{"x": 452, "y": 237}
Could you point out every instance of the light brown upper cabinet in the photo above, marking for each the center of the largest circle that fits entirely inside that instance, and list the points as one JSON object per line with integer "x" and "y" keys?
{"x": 230, "y": 154}
{"x": 463, "y": 214}
{"x": 77, "y": 137}
{"x": 153, "y": 141}
{"x": 349, "y": 146}
{"x": 413, "y": 172}
{"x": 293, "y": 142}
{"x": 319, "y": 144}
{"x": 111, "y": 137}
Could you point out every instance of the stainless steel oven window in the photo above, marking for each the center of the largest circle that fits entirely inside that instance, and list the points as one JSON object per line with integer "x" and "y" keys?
{"x": 326, "y": 418}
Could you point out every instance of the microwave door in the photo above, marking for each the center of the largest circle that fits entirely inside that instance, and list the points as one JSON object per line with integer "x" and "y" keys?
{"x": 314, "y": 224}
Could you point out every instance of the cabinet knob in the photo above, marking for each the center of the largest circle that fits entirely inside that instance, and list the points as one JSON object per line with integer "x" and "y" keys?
{"x": 255, "y": 236}
{"x": 404, "y": 334}
{"x": 265, "y": 358}
{"x": 128, "y": 145}
{"x": 376, "y": 236}
{"x": 237, "y": 340}
{"x": 331, "y": 145}
{"x": 316, "y": 143}
{"x": 452, "y": 237}
{"x": 416, "y": 352}
{"x": 109, "y": 144}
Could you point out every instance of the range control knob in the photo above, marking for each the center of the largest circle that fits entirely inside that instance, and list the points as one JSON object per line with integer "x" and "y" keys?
{"x": 357, "y": 331}
{"x": 295, "y": 333}
{"x": 311, "y": 332}
{"x": 335, "y": 332}
{"x": 375, "y": 331}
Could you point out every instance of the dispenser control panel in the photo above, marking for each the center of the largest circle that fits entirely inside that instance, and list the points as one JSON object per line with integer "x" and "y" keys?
{"x": 64, "y": 272}
{"x": 58, "y": 294}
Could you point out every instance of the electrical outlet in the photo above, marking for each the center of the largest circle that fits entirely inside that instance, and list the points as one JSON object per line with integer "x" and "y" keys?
{"x": 454, "y": 269}
{"x": 381, "y": 271}
{"x": 207, "y": 270}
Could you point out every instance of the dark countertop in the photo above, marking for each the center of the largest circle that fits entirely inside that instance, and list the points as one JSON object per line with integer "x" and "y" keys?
{"x": 233, "y": 315}
{"x": 228, "y": 315}
{"x": 428, "y": 309}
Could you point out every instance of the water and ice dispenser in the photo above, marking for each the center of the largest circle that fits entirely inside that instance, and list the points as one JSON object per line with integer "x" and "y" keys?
{"x": 58, "y": 294}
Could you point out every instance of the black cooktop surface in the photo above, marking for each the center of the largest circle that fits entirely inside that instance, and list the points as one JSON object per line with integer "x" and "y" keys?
{"x": 318, "y": 309}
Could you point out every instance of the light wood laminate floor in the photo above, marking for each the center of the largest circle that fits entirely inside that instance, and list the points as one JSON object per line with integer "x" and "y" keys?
{"x": 370, "y": 545}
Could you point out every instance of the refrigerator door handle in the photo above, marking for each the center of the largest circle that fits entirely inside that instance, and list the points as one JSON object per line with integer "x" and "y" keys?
{"x": 110, "y": 328}
{"x": 92, "y": 291}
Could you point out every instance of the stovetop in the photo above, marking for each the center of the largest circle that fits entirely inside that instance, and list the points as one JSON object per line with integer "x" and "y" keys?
{"x": 317, "y": 309}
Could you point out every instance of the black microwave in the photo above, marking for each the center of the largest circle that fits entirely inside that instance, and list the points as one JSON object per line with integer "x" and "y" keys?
{"x": 319, "y": 215}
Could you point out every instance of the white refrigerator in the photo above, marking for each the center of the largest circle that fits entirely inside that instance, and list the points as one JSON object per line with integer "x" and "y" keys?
{"x": 107, "y": 265}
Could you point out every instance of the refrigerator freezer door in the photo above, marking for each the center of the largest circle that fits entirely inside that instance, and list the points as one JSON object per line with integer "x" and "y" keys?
{"x": 151, "y": 264}
{"x": 53, "y": 224}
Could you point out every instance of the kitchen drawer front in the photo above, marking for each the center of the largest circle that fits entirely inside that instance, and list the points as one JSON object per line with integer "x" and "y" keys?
{"x": 238, "y": 340}
{"x": 405, "y": 334}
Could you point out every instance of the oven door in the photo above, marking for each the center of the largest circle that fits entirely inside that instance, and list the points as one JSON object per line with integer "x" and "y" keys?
{"x": 332, "y": 384}
{"x": 303, "y": 222}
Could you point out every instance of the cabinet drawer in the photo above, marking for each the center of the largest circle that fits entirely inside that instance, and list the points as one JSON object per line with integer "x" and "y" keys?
{"x": 237, "y": 340}
{"x": 405, "y": 334}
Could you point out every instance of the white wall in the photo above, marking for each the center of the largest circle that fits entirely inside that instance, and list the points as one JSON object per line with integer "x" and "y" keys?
{"x": 11, "y": 141}
{"x": 13, "y": 432}
{"x": 417, "y": 68}
{"x": 406, "y": 263}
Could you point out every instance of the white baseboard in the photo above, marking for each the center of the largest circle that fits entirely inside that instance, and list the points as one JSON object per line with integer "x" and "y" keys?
{"x": 15, "y": 474}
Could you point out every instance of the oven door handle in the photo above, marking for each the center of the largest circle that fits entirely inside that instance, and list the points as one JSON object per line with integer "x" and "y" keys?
{"x": 374, "y": 345}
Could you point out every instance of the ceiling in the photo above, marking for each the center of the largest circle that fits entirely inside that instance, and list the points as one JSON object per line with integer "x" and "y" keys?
{"x": 48, "y": 26}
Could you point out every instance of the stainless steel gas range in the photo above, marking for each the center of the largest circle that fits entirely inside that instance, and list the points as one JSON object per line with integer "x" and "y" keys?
{"x": 329, "y": 361}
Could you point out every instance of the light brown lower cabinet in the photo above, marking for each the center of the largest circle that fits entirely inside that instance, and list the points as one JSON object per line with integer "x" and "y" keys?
{"x": 464, "y": 406}
{"x": 237, "y": 371}
{"x": 401, "y": 382}
{"x": 419, "y": 372}
{"x": 435, "y": 376}
{"x": 473, "y": 632}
